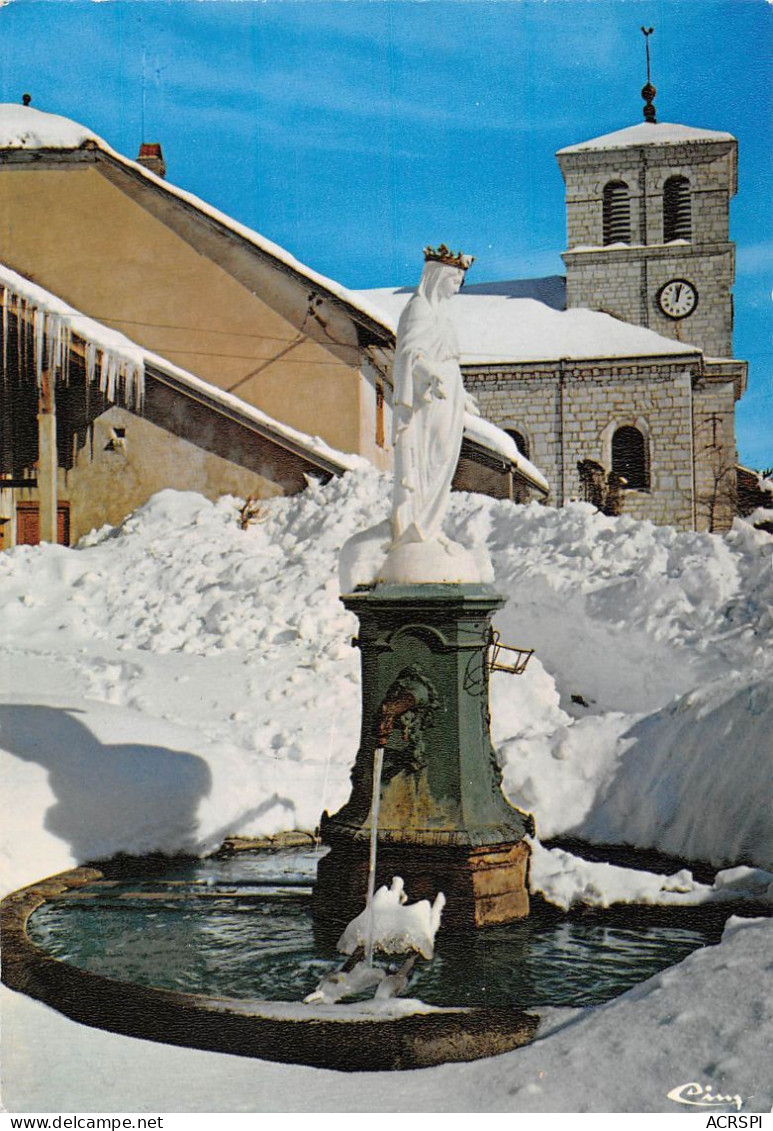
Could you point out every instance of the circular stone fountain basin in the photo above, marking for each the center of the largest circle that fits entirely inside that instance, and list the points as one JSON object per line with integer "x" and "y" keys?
{"x": 220, "y": 953}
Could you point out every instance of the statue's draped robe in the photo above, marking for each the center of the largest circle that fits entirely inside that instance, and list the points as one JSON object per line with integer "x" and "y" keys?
{"x": 427, "y": 429}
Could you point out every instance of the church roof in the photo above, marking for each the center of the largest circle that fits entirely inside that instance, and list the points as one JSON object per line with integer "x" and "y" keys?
{"x": 25, "y": 128}
{"x": 550, "y": 289}
{"x": 648, "y": 133}
{"x": 499, "y": 329}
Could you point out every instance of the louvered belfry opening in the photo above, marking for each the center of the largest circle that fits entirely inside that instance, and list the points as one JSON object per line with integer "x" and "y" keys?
{"x": 677, "y": 209}
{"x": 630, "y": 458}
{"x": 617, "y": 213}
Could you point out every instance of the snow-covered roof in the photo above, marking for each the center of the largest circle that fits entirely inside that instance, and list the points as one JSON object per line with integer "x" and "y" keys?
{"x": 119, "y": 353}
{"x": 496, "y": 329}
{"x": 23, "y": 127}
{"x": 495, "y": 439}
{"x": 112, "y": 361}
{"x": 648, "y": 133}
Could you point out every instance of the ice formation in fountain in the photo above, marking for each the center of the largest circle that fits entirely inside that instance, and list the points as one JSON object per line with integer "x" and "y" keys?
{"x": 388, "y": 924}
{"x": 375, "y": 805}
{"x": 352, "y": 979}
{"x": 394, "y": 926}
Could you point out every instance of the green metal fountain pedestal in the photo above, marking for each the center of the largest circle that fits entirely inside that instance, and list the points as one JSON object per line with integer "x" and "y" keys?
{"x": 443, "y": 822}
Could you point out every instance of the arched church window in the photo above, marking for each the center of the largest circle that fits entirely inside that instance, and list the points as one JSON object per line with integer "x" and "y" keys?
{"x": 616, "y": 213}
{"x": 677, "y": 210}
{"x": 630, "y": 458}
{"x": 521, "y": 441}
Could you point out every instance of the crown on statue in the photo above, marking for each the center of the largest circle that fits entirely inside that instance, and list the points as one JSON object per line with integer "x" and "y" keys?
{"x": 450, "y": 258}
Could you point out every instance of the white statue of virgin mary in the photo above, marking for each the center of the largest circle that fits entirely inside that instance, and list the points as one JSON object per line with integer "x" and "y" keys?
{"x": 428, "y": 407}
{"x": 427, "y": 427}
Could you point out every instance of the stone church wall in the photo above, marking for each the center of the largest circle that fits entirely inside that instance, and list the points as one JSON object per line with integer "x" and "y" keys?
{"x": 607, "y": 281}
{"x": 627, "y": 288}
{"x": 715, "y": 456}
{"x": 711, "y": 269}
{"x": 570, "y": 414}
{"x": 624, "y": 279}
{"x": 525, "y": 399}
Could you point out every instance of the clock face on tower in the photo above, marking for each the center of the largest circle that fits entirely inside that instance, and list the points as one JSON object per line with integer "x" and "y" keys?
{"x": 678, "y": 298}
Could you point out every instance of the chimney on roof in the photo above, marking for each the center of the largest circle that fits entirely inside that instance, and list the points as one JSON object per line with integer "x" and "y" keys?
{"x": 152, "y": 158}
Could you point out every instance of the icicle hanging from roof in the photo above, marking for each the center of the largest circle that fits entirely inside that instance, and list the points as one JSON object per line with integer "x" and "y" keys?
{"x": 111, "y": 361}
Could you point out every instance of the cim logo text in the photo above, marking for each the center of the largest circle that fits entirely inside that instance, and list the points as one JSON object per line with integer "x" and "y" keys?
{"x": 696, "y": 1095}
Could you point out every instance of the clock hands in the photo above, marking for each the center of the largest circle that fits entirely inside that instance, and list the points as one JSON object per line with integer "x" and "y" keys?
{"x": 677, "y": 298}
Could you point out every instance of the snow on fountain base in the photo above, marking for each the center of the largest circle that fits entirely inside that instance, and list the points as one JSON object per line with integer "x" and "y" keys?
{"x": 369, "y": 558}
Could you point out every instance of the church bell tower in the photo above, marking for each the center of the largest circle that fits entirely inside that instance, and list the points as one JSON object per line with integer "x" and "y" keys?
{"x": 648, "y": 211}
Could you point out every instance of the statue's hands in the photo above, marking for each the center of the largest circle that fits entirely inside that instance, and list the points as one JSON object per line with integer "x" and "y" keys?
{"x": 429, "y": 381}
{"x": 438, "y": 388}
{"x": 425, "y": 380}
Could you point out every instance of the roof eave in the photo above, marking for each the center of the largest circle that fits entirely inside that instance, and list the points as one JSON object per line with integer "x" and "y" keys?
{"x": 495, "y": 460}
{"x": 156, "y": 184}
{"x": 91, "y": 153}
{"x": 605, "y": 360}
{"x": 316, "y": 460}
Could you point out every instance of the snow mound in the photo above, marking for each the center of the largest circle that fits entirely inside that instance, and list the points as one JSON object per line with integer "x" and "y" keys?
{"x": 696, "y": 778}
{"x": 567, "y": 881}
{"x": 101, "y": 780}
{"x": 644, "y": 716}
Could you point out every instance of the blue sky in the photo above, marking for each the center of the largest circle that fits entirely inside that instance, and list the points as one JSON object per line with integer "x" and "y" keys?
{"x": 353, "y": 132}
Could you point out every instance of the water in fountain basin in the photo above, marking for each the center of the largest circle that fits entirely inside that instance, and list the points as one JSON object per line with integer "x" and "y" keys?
{"x": 243, "y": 928}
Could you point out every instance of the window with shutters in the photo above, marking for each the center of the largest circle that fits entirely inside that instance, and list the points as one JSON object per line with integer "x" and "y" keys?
{"x": 677, "y": 210}
{"x": 630, "y": 458}
{"x": 617, "y": 213}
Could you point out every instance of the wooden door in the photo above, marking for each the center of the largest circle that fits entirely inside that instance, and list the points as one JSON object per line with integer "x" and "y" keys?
{"x": 28, "y": 524}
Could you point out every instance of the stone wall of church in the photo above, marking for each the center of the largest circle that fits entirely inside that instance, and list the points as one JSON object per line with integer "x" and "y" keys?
{"x": 624, "y": 279}
{"x": 570, "y": 414}
{"x": 626, "y": 285}
{"x": 715, "y": 455}
{"x": 609, "y": 281}
{"x": 524, "y": 398}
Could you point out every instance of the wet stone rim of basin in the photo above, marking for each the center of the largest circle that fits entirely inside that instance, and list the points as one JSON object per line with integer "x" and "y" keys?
{"x": 321, "y": 1036}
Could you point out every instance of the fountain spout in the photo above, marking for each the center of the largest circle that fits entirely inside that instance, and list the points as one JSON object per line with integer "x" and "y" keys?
{"x": 405, "y": 698}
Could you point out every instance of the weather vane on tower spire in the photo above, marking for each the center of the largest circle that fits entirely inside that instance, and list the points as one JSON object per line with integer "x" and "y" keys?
{"x": 648, "y": 91}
